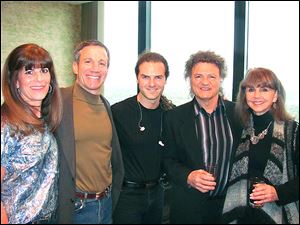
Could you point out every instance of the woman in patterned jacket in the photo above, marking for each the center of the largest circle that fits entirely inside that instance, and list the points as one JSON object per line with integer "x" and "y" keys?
{"x": 269, "y": 149}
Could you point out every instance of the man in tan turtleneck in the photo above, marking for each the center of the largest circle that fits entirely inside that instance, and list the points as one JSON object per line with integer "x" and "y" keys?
{"x": 91, "y": 166}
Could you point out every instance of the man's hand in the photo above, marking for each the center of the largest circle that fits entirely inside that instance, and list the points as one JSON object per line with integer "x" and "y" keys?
{"x": 201, "y": 180}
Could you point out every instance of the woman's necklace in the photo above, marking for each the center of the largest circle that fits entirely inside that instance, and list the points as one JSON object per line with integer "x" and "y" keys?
{"x": 255, "y": 139}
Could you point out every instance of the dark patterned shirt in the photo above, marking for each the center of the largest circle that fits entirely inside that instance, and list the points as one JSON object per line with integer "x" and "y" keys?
{"x": 215, "y": 136}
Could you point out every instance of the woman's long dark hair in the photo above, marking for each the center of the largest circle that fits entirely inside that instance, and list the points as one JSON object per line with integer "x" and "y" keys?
{"x": 15, "y": 110}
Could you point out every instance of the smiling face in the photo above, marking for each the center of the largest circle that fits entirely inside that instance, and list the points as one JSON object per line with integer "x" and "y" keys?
{"x": 260, "y": 98}
{"x": 33, "y": 85}
{"x": 151, "y": 81}
{"x": 205, "y": 81}
{"x": 92, "y": 68}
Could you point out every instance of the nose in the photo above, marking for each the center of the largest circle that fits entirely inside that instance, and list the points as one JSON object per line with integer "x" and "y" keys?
{"x": 152, "y": 82}
{"x": 204, "y": 80}
{"x": 39, "y": 75}
{"x": 95, "y": 67}
{"x": 256, "y": 93}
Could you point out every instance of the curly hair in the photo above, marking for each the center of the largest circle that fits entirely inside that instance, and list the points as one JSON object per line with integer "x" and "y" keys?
{"x": 205, "y": 57}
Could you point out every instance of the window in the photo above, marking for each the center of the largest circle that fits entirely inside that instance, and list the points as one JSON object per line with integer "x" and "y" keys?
{"x": 274, "y": 44}
{"x": 183, "y": 28}
{"x": 121, "y": 38}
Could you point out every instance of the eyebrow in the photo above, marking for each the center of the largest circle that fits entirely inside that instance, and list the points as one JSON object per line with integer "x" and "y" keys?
{"x": 259, "y": 85}
{"x": 93, "y": 60}
{"x": 156, "y": 75}
{"x": 204, "y": 73}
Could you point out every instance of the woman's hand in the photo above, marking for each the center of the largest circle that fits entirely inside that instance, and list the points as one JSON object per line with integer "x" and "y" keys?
{"x": 263, "y": 193}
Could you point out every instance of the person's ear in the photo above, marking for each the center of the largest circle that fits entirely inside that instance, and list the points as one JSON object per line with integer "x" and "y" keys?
{"x": 75, "y": 67}
{"x": 275, "y": 97}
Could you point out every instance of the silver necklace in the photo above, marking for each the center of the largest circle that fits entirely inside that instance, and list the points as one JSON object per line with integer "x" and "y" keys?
{"x": 255, "y": 139}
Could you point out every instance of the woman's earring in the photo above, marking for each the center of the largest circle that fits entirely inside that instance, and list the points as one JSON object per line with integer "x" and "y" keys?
{"x": 50, "y": 89}
{"x": 274, "y": 105}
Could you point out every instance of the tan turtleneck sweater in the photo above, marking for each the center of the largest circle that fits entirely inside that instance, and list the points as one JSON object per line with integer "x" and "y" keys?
{"x": 93, "y": 136}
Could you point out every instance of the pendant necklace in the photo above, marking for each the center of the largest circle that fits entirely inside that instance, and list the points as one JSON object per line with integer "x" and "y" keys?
{"x": 255, "y": 139}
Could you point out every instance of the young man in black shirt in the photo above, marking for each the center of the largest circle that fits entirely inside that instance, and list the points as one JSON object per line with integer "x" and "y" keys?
{"x": 139, "y": 125}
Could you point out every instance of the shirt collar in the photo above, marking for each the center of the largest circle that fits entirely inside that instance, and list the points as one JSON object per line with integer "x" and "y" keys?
{"x": 81, "y": 94}
{"x": 198, "y": 108}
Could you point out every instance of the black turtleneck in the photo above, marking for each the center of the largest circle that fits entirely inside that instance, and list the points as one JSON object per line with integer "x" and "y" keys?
{"x": 259, "y": 153}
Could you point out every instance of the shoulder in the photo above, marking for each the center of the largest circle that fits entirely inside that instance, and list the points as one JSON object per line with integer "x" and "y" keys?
{"x": 294, "y": 122}
{"x": 4, "y": 119}
{"x": 125, "y": 104}
{"x": 9, "y": 137}
{"x": 185, "y": 106}
{"x": 229, "y": 104}
{"x": 66, "y": 92}
{"x": 3, "y": 122}
{"x": 229, "y": 108}
{"x": 105, "y": 101}
{"x": 180, "y": 110}
{"x": 292, "y": 126}
{"x": 5, "y": 126}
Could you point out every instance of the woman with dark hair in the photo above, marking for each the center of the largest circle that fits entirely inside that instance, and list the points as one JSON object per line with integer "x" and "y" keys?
{"x": 268, "y": 151}
{"x": 31, "y": 111}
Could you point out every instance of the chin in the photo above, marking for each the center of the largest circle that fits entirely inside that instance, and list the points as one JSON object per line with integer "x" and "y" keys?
{"x": 151, "y": 97}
